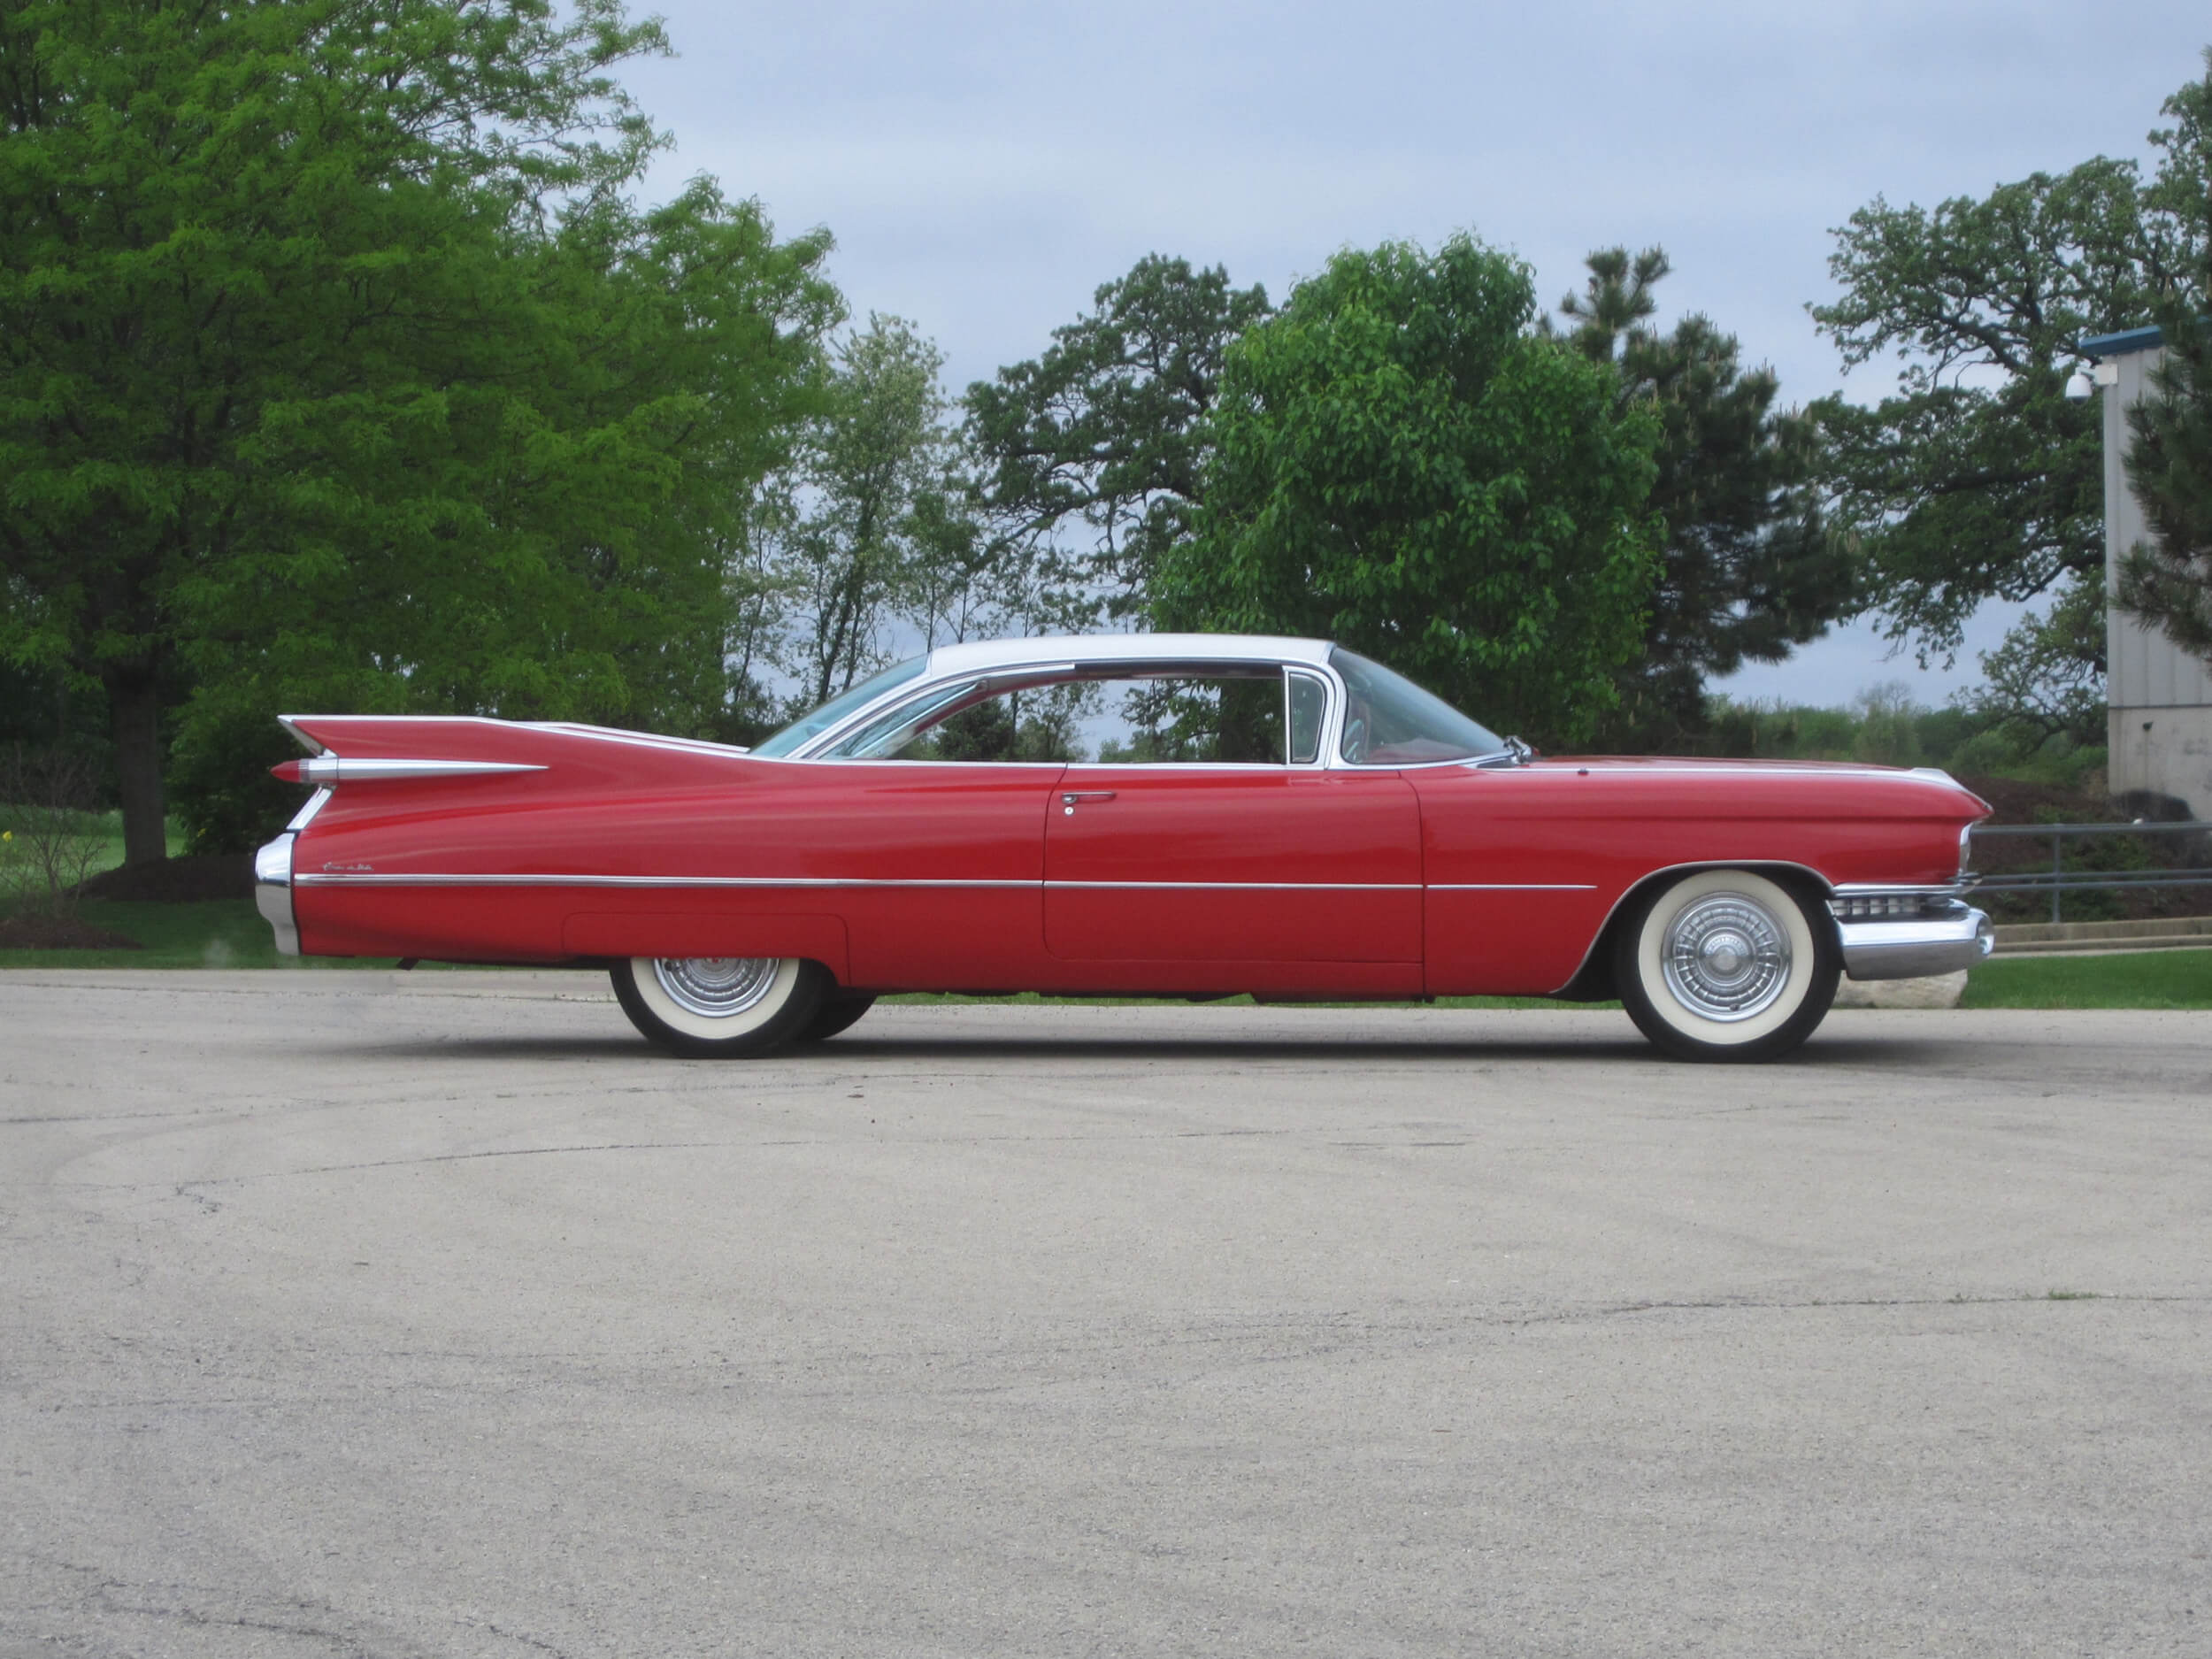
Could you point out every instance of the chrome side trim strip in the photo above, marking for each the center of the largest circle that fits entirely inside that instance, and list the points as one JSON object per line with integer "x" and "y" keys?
{"x": 329, "y": 768}
{"x": 603, "y": 733}
{"x": 1940, "y": 890}
{"x": 1513, "y": 886}
{"x": 372, "y": 879}
{"x": 362, "y": 878}
{"x": 1255, "y": 887}
{"x": 305, "y": 816}
{"x": 1556, "y": 763}
{"x": 369, "y": 879}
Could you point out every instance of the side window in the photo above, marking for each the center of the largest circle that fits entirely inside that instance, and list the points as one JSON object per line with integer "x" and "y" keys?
{"x": 1309, "y": 702}
{"x": 970, "y": 722}
{"x": 1191, "y": 717}
{"x": 1034, "y": 725}
{"x": 1194, "y": 719}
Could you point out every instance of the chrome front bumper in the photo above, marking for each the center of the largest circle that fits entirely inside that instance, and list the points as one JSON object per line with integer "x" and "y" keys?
{"x": 273, "y": 891}
{"x": 1914, "y": 949}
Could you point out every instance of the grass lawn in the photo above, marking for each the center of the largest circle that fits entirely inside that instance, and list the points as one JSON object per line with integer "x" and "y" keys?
{"x": 221, "y": 933}
{"x": 2140, "y": 978}
{"x": 108, "y": 853}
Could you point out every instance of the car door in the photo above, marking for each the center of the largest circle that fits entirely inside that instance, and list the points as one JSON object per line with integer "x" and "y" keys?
{"x": 935, "y": 866}
{"x": 1200, "y": 859}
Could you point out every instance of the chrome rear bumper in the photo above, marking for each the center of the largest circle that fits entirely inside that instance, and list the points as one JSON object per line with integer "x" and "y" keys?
{"x": 1913, "y": 949}
{"x": 273, "y": 891}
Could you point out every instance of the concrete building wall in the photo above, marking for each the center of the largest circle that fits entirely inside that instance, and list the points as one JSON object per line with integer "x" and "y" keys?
{"x": 2160, "y": 696}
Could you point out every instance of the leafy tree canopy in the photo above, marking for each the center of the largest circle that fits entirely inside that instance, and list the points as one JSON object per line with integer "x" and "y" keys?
{"x": 1981, "y": 478}
{"x": 1747, "y": 570}
{"x": 2040, "y": 680}
{"x": 1102, "y": 440}
{"x": 1406, "y": 465}
{"x": 337, "y": 367}
{"x": 873, "y": 465}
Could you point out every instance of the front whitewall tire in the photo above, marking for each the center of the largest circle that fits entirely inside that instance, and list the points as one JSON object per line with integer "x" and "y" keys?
{"x": 1727, "y": 964}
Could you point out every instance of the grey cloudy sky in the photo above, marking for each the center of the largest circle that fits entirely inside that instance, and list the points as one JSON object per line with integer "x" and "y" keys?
{"x": 984, "y": 167}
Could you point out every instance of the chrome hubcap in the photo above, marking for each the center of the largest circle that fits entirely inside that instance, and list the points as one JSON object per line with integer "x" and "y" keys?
{"x": 1725, "y": 957}
{"x": 716, "y": 987}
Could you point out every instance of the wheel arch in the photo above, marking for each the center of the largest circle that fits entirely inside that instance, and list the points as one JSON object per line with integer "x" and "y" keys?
{"x": 1593, "y": 980}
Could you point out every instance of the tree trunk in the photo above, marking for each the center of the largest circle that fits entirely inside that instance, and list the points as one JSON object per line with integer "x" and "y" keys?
{"x": 135, "y": 702}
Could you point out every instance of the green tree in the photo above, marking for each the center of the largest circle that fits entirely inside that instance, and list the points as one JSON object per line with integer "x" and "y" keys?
{"x": 1747, "y": 570}
{"x": 2041, "y": 681}
{"x": 1096, "y": 450}
{"x": 1888, "y": 732}
{"x": 2167, "y": 582}
{"x": 1981, "y": 478}
{"x": 1406, "y": 464}
{"x": 337, "y": 366}
{"x": 874, "y": 472}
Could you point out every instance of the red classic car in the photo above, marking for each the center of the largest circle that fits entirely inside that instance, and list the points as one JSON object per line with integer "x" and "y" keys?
{"x": 1181, "y": 815}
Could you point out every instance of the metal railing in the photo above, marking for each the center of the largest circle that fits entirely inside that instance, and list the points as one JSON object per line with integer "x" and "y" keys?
{"x": 2058, "y": 880}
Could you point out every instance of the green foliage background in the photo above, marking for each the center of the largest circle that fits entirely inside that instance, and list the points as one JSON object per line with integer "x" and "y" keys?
{"x": 338, "y": 369}
{"x": 342, "y": 367}
{"x": 1406, "y": 465}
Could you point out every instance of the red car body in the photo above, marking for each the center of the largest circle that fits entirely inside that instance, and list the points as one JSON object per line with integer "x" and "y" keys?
{"x": 483, "y": 840}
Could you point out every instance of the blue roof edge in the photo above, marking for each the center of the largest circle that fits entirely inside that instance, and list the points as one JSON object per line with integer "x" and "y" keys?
{"x": 2121, "y": 344}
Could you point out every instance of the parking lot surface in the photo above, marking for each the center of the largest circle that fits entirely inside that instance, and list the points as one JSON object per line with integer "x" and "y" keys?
{"x": 367, "y": 1315}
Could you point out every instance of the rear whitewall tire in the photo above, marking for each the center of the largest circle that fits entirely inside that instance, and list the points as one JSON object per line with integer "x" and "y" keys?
{"x": 727, "y": 1008}
{"x": 1727, "y": 964}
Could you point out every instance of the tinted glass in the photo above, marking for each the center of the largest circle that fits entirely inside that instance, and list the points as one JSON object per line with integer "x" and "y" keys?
{"x": 830, "y": 713}
{"x": 1389, "y": 721}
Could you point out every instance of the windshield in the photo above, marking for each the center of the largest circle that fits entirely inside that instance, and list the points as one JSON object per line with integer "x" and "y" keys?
{"x": 1389, "y": 721}
{"x": 830, "y": 713}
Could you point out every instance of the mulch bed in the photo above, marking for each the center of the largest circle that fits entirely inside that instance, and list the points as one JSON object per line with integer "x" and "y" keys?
{"x": 48, "y": 932}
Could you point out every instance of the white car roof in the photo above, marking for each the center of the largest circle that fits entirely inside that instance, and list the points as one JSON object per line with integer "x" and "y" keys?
{"x": 983, "y": 655}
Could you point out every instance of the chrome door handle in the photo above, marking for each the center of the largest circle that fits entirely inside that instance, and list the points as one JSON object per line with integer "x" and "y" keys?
{"x": 1073, "y": 795}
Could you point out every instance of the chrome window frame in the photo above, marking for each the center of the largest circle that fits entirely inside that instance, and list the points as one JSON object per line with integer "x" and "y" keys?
{"x": 1497, "y": 760}
{"x": 1136, "y": 664}
{"x": 1051, "y": 670}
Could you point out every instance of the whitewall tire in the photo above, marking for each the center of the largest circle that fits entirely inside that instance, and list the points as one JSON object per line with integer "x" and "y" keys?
{"x": 725, "y": 1006}
{"x": 1727, "y": 964}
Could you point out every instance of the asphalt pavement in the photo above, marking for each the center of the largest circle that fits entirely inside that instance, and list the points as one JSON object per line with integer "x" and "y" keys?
{"x": 358, "y": 1313}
